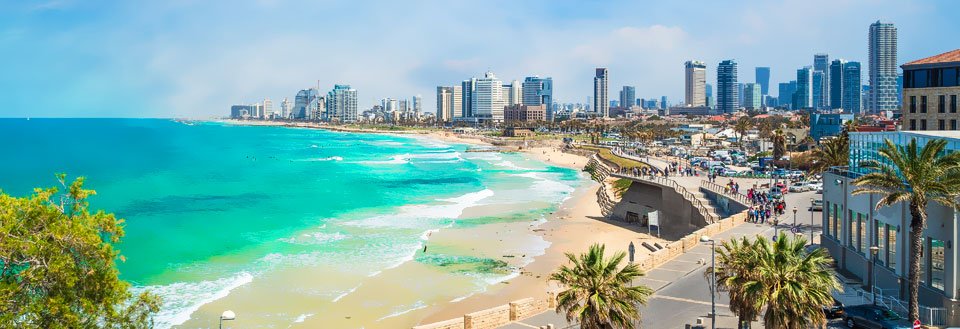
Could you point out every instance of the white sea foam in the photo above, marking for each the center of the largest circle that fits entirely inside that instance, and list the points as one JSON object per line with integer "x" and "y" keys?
{"x": 396, "y": 159}
{"x": 333, "y": 158}
{"x": 315, "y": 238}
{"x": 461, "y": 298}
{"x": 302, "y": 317}
{"x": 511, "y": 165}
{"x": 181, "y": 299}
{"x": 345, "y": 293}
{"x": 414, "y": 216}
{"x": 544, "y": 186}
{"x": 404, "y": 310}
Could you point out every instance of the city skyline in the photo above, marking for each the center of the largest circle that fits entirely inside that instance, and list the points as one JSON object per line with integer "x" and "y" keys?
{"x": 175, "y": 60}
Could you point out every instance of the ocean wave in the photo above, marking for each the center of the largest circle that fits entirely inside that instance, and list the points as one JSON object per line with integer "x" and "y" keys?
{"x": 461, "y": 298}
{"x": 396, "y": 159}
{"x": 401, "y": 310}
{"x": 315, "y": 238}
{"x": 333, "y": 158}
{"x": 511, "y": 165}
{"x": 413, "y": 216}
{"x": 302, "y": 317}
{"x": 345, "y": 293}
{"x": 546, "y": 186}
{"x": 181, "y": 299}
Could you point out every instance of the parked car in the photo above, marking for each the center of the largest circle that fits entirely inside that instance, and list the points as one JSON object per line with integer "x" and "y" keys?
{"x": 798, "y": 187}
{"x": 833, "y": 311}
{"x": 816, "y": 205}
{"x": 873, "y": 317}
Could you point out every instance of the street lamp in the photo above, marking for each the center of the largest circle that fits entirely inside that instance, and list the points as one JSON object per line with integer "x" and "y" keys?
{"x": 227, "y": 316}
{"x": 713, "y": 279}
{"x": 873, "y": 273}
{"x": 794, "y": 216}
{"x": 811, "y": 220}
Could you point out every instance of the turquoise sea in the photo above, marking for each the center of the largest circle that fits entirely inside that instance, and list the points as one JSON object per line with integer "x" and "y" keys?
{"x": 211, "y": 207}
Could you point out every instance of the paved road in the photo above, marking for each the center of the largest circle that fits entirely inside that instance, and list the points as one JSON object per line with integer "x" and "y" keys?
{"x": 681, "y": 291}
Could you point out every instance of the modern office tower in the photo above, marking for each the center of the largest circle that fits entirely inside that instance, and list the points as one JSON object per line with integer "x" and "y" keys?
{"x": 752, "y": 96}
{"x": 456, "y": 105}
{"x": 341, "y": 104}
{"x": 851, "y": 87}
{"x": 883, "y": 67}
{"x": 539, "y": 91}
{"x": 403, "y": 105}
{"x": 487, "y": 98}
{"x": 627, "y": 96}
{"x": 803, "y": 96}
{"x": 931, "y": 87}
{"x": 727, "y": 98}
{"x": 516, "y": 93}
{"x": 417, "y": 104}
{"x": 763, "y": 79}
{"x": 821, "y": 89}
{"x": 306, "y": 104}
{"x": 663, "y": 102}
{"x": 786, "y": 92}
{"x": 444, "y": 104}
{"x": 601, "y": 101}
{"x": 836, "y": 83}
{"x": 391, "y": 105}
{"x": 468, "y": 87}
{"x": 710, "y": 100}
{"x": 817, "y": 84}
{"x": 285, "y": 109}
{"x": 740, "y": 93}
{"x": 695, "y": 76}
{"x": 900, "y": 88}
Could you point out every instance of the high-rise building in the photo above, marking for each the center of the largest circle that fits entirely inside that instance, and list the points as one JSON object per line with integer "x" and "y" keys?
{"x": 516, "y": 93}
{"x": 931, "y": 87}
{"x": 627, "y": 96}
{"x": 740, "y": 93}
{"x": 727, "y": 97}
{"x": 821, "y": 88}
{"x": 663, "y": 102}
{"x": 456, "y": 104}
{"x": 444, "y": 104}
{"x": 267, "y": 108}
{"x": 752, "y": 96}
{"x": 468, "y": 87}
{"x": 341, "y": 104}
{"x": 417, "y": 104}
{"x": 695, "y": 75}
{"x": 539, "y": 91}
{"x": 786, "y": 92}
{"x": 601, "y": 101}
{"x": 487, "y": 98}
{"x": 306, "y": 104}
{"x": 803, "y": 96}
{"x": 711, "y": 101}
{"x": 883, "y": 67}
{"x": 851, "y": 87}
{"x": 285, "y": 109}
{"x": 836, "y": 83}
{"x": 390, "y": 105}
{"x": 763, "y": 79}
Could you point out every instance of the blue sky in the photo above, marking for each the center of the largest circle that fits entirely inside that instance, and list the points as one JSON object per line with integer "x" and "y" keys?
{"x": 180, "y": 58}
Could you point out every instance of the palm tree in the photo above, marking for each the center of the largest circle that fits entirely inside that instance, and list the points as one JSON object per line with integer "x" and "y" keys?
{"x": 831, "y": 153}
{"x": 743, "y": 124}
{"x": 781, "y": 276}
{"x": 599, "y": 293}
{"x": 908, "y": 174}
{"x": 779, "y": 140}
{"x": 735, "y": 267}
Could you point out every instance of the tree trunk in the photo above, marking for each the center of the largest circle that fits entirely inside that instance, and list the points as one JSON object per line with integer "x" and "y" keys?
{"x": 917, "y": 222}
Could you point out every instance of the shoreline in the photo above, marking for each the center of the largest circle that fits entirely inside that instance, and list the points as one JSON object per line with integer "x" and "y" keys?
{"x": 564, "y": 230}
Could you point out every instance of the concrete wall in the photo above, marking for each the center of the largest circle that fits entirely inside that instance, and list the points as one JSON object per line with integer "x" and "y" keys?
{"x": 677, "y": 216}
{"x": 498, "y": 316}
{"x": 723, "y": 203}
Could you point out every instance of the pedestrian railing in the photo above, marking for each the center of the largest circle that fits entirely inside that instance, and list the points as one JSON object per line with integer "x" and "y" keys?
{"x": 934, "y": 316}
{"x": 723, "y": 190}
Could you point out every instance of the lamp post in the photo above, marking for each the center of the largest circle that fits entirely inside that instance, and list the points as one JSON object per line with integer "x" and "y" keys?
{"x": 713, "y": 279}
{"x": 811, "y": 220}
{"x": 794, "y": 216}
{"x": 873, "y": 273}
{"x": 227, "y": 315}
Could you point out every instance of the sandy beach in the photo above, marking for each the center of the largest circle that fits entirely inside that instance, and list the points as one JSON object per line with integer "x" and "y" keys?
{"x": 572, "y": 228}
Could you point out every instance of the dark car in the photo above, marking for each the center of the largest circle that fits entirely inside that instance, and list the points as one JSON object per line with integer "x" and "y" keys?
{"x": 833, "y": 311}
{"x": 873, "y": 317}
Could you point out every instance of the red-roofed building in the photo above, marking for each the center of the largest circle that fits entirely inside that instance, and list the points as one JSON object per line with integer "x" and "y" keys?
{"x": 931, "y": 87}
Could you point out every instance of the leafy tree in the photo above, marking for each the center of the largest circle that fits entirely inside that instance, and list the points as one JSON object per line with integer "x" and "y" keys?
{"x": 832, "y": 153}
{"x": 779, "y": 140}
{"x": 909, "y": 174}
{"x": 781, "y": 277}
{"x": 599, "y": 293}
{"x": 57, "y": 264}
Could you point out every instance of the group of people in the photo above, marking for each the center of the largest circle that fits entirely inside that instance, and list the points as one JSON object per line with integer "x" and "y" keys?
{"x": 763, "y": 206}
{"x": 681, "y": 170}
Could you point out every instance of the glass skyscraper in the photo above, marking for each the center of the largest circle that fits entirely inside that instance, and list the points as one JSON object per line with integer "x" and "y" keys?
{"x": 539, "y": 91}
{"x": 803, "y": 96}
{"x": 821, "y": 88}
{"x": 763, "y": 79}
{"x": 727, "y": 93}
{"x": 851, "y": 87}
{"x": 883, "y": 67}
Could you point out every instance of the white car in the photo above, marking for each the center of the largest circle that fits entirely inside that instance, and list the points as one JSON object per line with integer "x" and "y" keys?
{"x": 798, "y": 187}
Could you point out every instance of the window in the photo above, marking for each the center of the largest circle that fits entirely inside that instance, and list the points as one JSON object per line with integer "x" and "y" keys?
{"x": 953, "y": 124}
{"x": 923, "y": 104}
{"x": 941, "y": 104}
{"x": 881, "y": 240}
{"x": 892, "y": 246}
{"x": 936, "y": 264}
{"x": 923, "y": 124}
{"x": 913, "y": 104}
{"x": 851, "y": 229}
{"x": 942, "y": 124}
{"x": 864, "y": 237}
{"x": 950, "y": 77}
{"x": 920, "y": 79}
{"x": 953, "y": 103}
{"x": 913, "y": 124}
